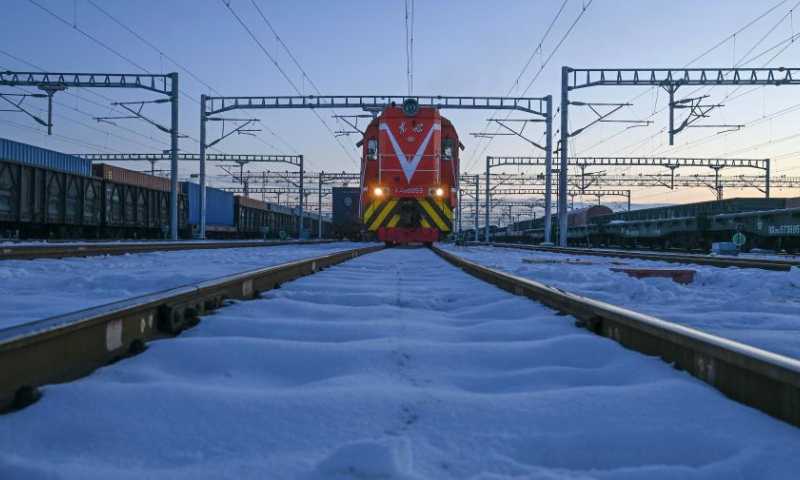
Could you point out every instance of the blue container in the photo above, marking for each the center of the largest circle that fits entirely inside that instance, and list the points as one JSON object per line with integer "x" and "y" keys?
{"x": 219, "y": 205}
{"x": 346, "y": 206}
{"x": 42, "y": 157}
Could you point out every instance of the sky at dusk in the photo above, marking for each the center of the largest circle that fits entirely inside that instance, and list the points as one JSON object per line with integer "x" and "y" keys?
{"x": 461, "y": 47}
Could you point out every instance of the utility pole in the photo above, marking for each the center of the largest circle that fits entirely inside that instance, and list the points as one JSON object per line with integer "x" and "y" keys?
{"x": 548, "y": 175}
{"x": 173, "y": 217}
{"x": 319, "y": 210}
{"x": 302, "y": 196}
{"x": 562, "y": 179}
{"x": 488, "y": 199}
{"x": 203, "y": 166}
{"x": 477, "y": 203}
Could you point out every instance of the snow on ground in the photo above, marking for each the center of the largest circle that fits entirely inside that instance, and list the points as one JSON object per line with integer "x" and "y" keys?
{"x": 752, "y": 306}
{"x": 73, "y": 243}
{"x": 394, "y": 365}
{"x": 749, "y": 255}
{"x": 35, "y": 289}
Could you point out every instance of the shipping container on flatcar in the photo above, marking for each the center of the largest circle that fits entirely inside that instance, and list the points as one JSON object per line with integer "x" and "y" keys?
{"x": 219, "y": 210}
{"x": 44, "y": 158}
{"x": 346, "y": 212}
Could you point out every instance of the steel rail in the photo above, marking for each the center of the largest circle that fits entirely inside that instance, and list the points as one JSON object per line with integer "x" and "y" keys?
{"x": 754, "y": 377}
{"x": 70, "y": 346}
{"x": 89, "y": 250}
{"x": 722, "y": 262}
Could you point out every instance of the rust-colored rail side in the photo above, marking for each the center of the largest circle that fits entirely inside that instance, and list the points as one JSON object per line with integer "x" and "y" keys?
{"x": 754, "y": 377}
{"x": 89, "y": 250}
{"x": 70, "y": 346}
{"x": 764, "y": 264}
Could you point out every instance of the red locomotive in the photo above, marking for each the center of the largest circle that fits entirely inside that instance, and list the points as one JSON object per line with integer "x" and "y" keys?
{"x": 409, "y": 172}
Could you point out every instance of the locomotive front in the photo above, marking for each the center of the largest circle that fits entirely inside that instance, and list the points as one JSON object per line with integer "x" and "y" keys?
{"x": 409, "y": 175}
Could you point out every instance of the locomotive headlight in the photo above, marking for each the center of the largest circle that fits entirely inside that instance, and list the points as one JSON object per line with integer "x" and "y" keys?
{"x": 439, "y": 192}
{"x": 378, "y": 192}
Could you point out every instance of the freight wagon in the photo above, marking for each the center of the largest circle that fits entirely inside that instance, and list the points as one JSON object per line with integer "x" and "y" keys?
{"x": 767, "y": 223}
{"x": 39, "y": 202}
{"x": 46, "y": 194}
{"x": 136, "y": 204}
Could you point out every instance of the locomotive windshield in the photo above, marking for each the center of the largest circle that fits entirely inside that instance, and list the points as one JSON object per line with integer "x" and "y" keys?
{"x": 448, "y": 148}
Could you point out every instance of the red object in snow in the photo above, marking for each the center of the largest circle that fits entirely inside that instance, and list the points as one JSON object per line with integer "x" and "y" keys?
{"x": 684, "y": 276}
{"x": 403, "y": 235}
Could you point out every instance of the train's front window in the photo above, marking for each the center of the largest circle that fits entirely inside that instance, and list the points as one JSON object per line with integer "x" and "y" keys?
{"x": 448, "y": 148}
{"x": 372, "y": 149}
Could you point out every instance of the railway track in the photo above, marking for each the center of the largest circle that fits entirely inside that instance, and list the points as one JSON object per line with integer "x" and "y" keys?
{"x": 764, "y": 264}
{"x": 88, "y": 250}
{"x": 377, "y": 368}
{"x": 69, "y": 346}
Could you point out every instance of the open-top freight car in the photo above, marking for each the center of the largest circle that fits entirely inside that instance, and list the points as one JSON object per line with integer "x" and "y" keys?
{"x": 47, "y": 194}
{"x": 39, "y": 201}
{"x": 136, "y": 204}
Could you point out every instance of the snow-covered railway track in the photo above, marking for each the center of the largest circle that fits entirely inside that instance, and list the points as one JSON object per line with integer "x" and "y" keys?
{"x": 65, "y": 250}
{"x": 393, "y": 365}
{"x": 69, "y": 346}
{"x": 762, "y": 263}
{"x": 755, "y": 377}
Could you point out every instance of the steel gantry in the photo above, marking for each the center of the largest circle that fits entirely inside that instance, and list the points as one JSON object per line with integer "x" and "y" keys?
{"x": 166, "y": 84}
{"x": 672, "y": 163}
{"x": 668, "y": 78}
{"x": 548, "y": 163}
{"x": 469, "y": 180}
{"x": 570, "y": 193}
{"x": 153, "y": 158}
{"x": 540, "y": 107}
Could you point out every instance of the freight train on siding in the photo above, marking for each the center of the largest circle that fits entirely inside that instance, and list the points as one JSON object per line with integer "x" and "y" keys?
{"x": 409, "y": 172}
{"x": 47, "y": 194}
{"x": 772, "y": 224}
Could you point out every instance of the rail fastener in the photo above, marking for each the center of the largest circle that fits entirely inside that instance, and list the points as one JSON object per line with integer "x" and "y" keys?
{"x": 70, "y": 346}
{"x": 763, "y": 380}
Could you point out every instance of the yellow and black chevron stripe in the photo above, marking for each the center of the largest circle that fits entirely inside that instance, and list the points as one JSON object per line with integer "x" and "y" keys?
{"x": 380, "y": 213}
{"x": 386, "y": 213}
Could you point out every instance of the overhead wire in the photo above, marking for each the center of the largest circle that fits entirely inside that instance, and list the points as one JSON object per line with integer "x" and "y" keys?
{"x": 274, "y": 61}
{"x": 78, "y": 110}
{"x": 194, "y": 76}
{"x": 304, "y": 73}
{"x": 716, "y": 46}
{"x": 538, "y": 48}
{"x": 541, "y": 68}
{"x": 108, "y": 48}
